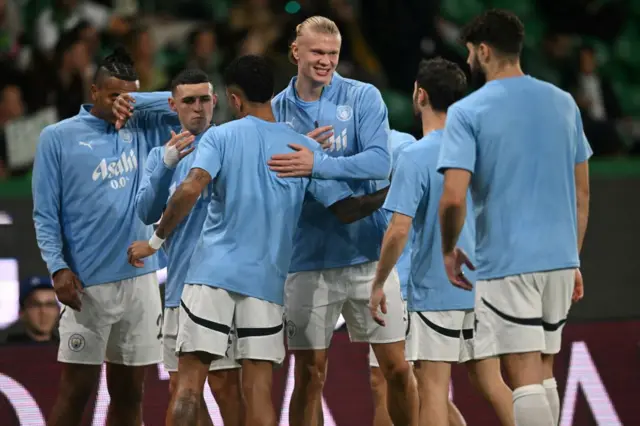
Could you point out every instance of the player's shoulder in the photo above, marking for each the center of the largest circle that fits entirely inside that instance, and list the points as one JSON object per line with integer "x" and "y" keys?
{"x": 355, "y": 88}
{"x": 554, "y": 91}
{"x": 398, "y": 138}
{"x": 60, "y": 131}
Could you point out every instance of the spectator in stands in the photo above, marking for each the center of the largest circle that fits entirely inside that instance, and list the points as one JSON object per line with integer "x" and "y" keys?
{"x": 143, "y": 51}
{"x": 554, "y": 61}
{"x": 11, "y": 107}
{"x": 74, "y": 74}
{"x": 63, "y": 15}
{"x": 598, "y": 104}
{"x": 39, "y": 311}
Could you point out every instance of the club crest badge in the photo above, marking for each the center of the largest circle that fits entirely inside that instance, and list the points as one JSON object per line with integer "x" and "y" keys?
{"x": 125, "y": 135}
{"x": 344, "y": 112}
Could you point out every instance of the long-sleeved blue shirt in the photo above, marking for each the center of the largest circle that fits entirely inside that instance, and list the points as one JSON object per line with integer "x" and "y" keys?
{"x": 359, "y": 155}
{"x": 85, "y": 178}
{"x": 157, "y": 186}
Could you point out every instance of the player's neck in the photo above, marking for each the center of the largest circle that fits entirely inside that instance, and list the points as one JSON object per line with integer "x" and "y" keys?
{"x": 263, "y": 112}
{"x": 307, "y": 90}
{"x": 432, "y": 120}
{"x": 506, "y": 71}
{"x": 101, "y": 116}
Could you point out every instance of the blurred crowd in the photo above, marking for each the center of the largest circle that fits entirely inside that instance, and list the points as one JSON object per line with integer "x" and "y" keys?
{"x": 49, "y": 48}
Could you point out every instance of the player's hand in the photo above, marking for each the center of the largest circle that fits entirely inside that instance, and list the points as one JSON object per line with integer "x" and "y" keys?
{"x": 68, "y": 289}
{"x": 178, "y": 147}
{"x": 578, "y": 287}
{"x": 322, "y": 135}
{"x": 453, "y": 265}
{"x": 378, "y": 300}
{"x": 137, "y": 251}
{"x": 294, "y": 164}
{"x": 123, "y": 109}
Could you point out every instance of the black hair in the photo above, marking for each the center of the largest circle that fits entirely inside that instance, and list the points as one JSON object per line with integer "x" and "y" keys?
{"x": 444, "y": 82}
{"x": 253, "y": 75}
{"x": 500, "y": 29}
{"x": 189, "y": 76}
{"x": 119, "y": 65}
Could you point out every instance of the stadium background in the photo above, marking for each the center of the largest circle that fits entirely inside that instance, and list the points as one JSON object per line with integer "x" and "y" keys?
{"x": 48, "y": 50}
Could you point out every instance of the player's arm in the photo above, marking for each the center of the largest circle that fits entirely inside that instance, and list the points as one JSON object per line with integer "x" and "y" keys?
{"x": 182, "y": 201}
{"x": 352, "y": 209}
{"x": 47, "y": 195}
{"x": 205, "y": 168}
{"x": 147, "y": 109}
{"x": 410, "y": 182}
{"x": 154, "y": 188}
{"x": 160, "y": 166}
{"x": 373, "y": 162}
{"x": 457, "y": 162}
{"x": 372, "y": 128}
{"x": 583, "y": 153}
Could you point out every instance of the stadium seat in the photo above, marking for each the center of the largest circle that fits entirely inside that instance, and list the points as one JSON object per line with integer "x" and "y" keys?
{"x": 627, "y": 47}
{"x": 522, "y": 8}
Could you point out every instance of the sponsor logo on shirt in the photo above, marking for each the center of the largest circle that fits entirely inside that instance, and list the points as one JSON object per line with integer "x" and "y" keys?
{"x": 115, "y": 170}
{"x": 338, "y": 142}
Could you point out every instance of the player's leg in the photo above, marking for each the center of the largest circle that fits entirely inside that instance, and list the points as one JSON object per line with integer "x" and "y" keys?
{"x": 135, "y": 342}
{"x": 388, "y": 342}
{"x": 83, "y": 342}
{"x": 485, "y": 374}
{"x": 206, "y": 316}
{"x": 509, "y": 324}
{"x": 486, "y": 378}
{"x": 439, "y": 345}
{"x": 455, "y": 416}
{"x": 224, "y": 382}
{"x": 313, "y": 306}
{"x": 556, "y": 302}
{"x": 379, "y": 392}
{"x": 259, "y": 345}
{"x": 170, "y": 326}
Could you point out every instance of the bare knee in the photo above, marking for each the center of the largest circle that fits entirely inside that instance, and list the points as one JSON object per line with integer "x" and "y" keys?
{"x": 485, "y": 376}
{"x": 225, "y": 384}
{"x": 524, "y": 368}
{"x": 311, "y": 370}
{"x": 187, "y": 403}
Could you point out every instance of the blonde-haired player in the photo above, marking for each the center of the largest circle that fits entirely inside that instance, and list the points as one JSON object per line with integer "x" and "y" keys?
{"x": 334, "y": 264}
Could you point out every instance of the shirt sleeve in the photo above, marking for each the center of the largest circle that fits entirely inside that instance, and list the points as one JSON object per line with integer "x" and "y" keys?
{"x": 373, "y": 161}
{"x": 47, "y": 195}
{"x": 409, "y": 184}
{"x": 154, "y": 189}
{"x": 152, "y": 109}
{"x": 583, "y": 149}
{"x": 209, "y": 153}
{"x": 458, "y": 150}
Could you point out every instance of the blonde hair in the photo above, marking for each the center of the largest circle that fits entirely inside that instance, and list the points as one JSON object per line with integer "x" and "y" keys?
{"x": 318, "y": 24}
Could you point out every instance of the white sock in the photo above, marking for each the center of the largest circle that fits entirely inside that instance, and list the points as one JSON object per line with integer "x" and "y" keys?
{"x": 530, "y": 406}
{"x": 551, "y": 389}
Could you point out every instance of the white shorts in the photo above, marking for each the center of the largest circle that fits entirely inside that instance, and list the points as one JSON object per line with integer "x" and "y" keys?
{"x": 522, "y": 313}
{"x": 120, "y": 322}
{"x": 444, "y": 336}
{"x": 170, "y": 327}
{"x": 314, "y": 301}
{"x": 208, "y": 314}
{"x": 373, "y": 361}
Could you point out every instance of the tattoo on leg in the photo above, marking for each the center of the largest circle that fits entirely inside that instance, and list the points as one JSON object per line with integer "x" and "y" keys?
{"x": 185, "y": 411}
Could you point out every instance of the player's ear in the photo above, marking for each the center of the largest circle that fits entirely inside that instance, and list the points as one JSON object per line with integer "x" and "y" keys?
{"x": 94, "y": 93}
{"x": 214, "y": 99}
{"x": 172, "y": 105}
{"x": 295, "y": 54}
{"x": 423, "y": 97}
{"x": 483, "y": 53}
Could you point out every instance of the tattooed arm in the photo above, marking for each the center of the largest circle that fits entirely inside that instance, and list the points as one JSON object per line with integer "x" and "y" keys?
{"x": 182, "y": 201}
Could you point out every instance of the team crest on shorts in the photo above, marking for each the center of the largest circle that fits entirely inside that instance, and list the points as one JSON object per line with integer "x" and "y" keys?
{"x": 291, "y": 329}
{"x": 125, "y": 135}
{"x": 344, "y": 112}
{"x": 76, "y": 342}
